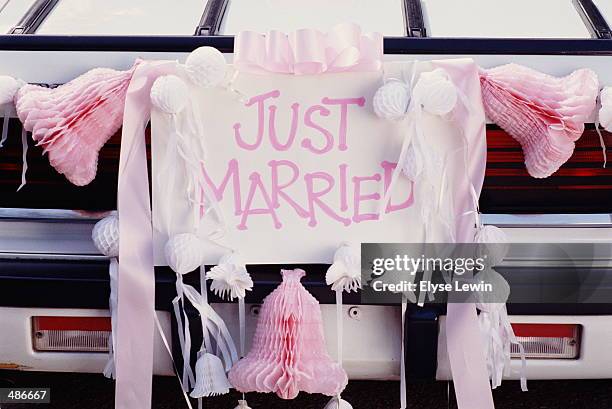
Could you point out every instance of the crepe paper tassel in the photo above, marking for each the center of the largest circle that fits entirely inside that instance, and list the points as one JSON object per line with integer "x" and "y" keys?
{"x": 183, "y": 254}
{"x": 435, "y": 92}
{"x": 493, "y": 318}
{"x": 391, "y": 101}
{"x": 206, "y": 67}
{"x": 545, "y": 114}
{"x": 184, "y": 149}
{"x": 73, "y": 121}
{"x": 105, "y": 236}
{"x": 288, "y": 354}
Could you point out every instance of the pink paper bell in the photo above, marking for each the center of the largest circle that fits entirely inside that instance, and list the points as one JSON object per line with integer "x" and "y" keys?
{"x": 73, "y": 121}
{"x": 288, "y": 353}
{"x": 545, "y": 114}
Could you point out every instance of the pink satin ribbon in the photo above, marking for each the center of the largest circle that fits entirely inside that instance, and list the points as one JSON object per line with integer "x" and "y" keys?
{"x": 302, "y": 52}
{"x": 136, "y": 279}
{"x": 463, "y": 340}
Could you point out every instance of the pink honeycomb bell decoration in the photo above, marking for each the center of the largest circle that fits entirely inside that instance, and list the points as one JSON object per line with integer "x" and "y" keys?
{"x": 288, "y": 353}
{"x": 545, "y": 114}
{"x": 73, "y": 121}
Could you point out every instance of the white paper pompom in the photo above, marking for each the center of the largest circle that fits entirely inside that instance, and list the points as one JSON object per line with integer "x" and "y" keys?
{"x": 491, "y": 300}
{"x": 206, "y": 67}
{"x": 605, "y": 112}
{"x": 170, "y": 94}
{"x": 105, "y": 236}
{"x": 242, "y": 404}
{"x": 184, "y": 252}
{"x": 490, "y": 234}
{"x": 436, "y": 92}
{"x": 230, "y": 278}
{"x": 391, "y": 100}
{"x": 496, "y": 243}
{"x": 8, "y": 88}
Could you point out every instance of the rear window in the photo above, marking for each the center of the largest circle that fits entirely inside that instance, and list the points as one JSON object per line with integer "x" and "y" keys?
{"x": 504, "y": 19}
{"x": 384, "y": 16}
{"x": 123, "y": 17}
{"x": 11, "y": 11}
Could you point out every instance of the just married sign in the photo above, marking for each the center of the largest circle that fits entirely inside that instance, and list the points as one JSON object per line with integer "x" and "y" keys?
{"x": 297, "y": 165}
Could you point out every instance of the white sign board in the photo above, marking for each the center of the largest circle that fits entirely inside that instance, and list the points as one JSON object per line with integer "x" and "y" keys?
{"x": 298, "y": 165}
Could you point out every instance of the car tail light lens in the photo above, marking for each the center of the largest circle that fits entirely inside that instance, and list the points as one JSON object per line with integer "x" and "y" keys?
{"x": 71, "y": 334}
{"x": 547, "y": 341}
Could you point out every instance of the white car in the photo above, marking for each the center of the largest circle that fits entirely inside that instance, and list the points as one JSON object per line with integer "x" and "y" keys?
{"x": 54, "y": 284}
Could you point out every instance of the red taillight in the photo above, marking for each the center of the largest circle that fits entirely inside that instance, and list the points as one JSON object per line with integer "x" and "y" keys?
{"x": 547, "y": 341}
{"x": 71, "y": 334}
{"x": 508, "y": 188}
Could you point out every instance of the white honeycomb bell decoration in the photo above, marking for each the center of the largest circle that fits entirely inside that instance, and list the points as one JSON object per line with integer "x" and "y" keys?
{"x": 211, "y": 379}
{"x": 170, "y": 94}
{"x": 391, "y": 101}
{"x": 206, "y": 67}
{"x": 436, "y": 92}
{"x": 105, "y": 236}
{"x": 184, "y": 252}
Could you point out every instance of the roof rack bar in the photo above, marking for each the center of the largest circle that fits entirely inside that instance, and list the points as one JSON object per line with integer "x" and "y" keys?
{"x": 211, "y": 18}
{"x": 413, "y": 17}
{"x": 593, "y": 19}
{"x": 34, "y": 17}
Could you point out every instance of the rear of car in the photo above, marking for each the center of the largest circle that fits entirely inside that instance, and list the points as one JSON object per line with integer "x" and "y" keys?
{"x": 54, "y": 285}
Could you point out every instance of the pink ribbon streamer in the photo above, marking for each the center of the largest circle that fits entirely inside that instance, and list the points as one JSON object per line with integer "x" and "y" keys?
{"x": 303, "y": 52}
{"x": 136, "y": 281}
{"x": 463, "y": 340}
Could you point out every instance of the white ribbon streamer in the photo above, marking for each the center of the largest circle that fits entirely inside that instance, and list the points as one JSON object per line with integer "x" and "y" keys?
{"x": 109, "y": 369}
{"x": 403, "y": 398}
{"x": 5, "y": 124}
{"x": 24, "y": 157}
{"x": 188, "y": 378}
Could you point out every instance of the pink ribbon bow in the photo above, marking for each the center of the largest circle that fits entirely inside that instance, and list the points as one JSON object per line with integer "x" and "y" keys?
{"x": 303, "y": 52}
